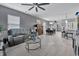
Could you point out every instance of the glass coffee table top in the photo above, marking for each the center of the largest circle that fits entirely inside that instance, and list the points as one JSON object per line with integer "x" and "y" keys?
{"x": 33, "y": 41}
{"x": 36, "y": 41}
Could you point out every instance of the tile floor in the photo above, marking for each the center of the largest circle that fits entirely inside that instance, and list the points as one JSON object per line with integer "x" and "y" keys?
{"x": 52, "y": 45}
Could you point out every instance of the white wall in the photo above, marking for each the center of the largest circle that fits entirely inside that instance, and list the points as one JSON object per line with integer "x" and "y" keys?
{"x": 44, "y": 27}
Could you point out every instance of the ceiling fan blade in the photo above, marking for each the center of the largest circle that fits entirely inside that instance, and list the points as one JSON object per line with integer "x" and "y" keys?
{"x": 41, "y": 8}
{"x": 43, "y": 4}
{"x": 27, "y": 4}
{"x": 36, "y": 9}
{"x": 31, "y": 8}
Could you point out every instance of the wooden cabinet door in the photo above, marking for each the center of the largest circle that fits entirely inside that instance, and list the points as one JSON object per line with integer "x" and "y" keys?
{"x": 40, "y": 30}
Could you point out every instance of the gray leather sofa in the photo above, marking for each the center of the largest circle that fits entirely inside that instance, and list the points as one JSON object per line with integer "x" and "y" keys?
{"x": 16, "y": 36}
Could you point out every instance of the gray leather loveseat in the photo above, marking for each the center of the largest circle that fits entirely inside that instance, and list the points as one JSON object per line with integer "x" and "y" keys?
{"x": 16, "y": 36}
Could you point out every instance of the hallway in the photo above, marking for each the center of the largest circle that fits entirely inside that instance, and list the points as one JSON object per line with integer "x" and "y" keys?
{"x": 52, "y": 45}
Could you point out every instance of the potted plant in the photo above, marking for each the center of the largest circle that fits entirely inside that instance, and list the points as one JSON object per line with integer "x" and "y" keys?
{"x": 0, "y": 28}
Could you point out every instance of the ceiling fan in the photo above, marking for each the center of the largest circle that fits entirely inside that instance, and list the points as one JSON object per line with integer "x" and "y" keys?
{"x": 36, "y": 6}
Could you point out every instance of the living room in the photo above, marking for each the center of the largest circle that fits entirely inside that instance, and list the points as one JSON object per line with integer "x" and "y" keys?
{"x": 39, "y": 29}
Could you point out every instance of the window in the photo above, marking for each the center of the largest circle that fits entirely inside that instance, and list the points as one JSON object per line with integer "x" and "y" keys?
{"x": 13, "y": 22}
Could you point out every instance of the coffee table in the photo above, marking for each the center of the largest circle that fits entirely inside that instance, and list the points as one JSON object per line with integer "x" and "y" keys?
{"x": 30, "y": 41}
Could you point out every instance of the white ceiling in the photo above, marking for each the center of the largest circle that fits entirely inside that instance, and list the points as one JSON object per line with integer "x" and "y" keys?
{"x": 54, "y": 11}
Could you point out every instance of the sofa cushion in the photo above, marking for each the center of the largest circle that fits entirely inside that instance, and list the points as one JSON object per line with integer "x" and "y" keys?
{"x": 16, "y": 32}
{"x": 19, "y": 39}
